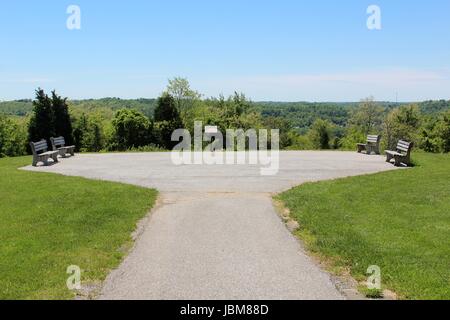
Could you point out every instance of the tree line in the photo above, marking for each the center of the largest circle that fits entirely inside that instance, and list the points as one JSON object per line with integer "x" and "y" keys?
{"x": 147, "y": 124}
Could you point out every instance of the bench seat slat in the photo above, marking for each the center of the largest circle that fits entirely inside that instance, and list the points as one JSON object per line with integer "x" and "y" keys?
{"x": 48, "y": 153}
{"x": 393, "y": 152}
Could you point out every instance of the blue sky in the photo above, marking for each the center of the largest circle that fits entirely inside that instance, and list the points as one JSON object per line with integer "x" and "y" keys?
{"x": 271, "y": 50}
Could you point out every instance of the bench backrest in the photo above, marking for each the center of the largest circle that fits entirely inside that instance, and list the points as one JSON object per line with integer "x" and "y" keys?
{"x": 373, "y": 139}
{"x": 58, "y": 142}
{"x": 404, "y": 147}
{"x": 39, "y": 147}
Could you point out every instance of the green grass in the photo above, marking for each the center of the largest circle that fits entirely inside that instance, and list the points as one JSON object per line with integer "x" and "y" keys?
{"x": 398, "y": 220}
{"x": 48, "y": 222}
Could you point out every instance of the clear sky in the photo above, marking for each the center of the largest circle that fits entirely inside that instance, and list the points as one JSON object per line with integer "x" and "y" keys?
{"x": 285, "y": 50}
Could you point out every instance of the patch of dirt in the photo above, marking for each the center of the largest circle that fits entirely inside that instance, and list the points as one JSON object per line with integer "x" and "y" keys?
{"x": 89, "y": 291}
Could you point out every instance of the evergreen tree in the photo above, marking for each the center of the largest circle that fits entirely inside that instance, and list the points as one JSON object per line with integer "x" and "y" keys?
{"x": 167, "y": 119}
{"x": 166, "y": 109}
{"x": 62, "y": 122}
{"x": 97, "y": 141}
{"x": 41, "y": 124}
{"x": 79, "y": 132}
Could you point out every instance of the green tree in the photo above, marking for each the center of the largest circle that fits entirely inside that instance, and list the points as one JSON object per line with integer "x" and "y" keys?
{"x": 41, "y": 124}
{"x": 321, "y": 133}
{"x": 12, "y": 138}
{"x": 166, "y": 109}
{"x": 402, "y": 123}
{"x": 435, "y": 133}
{"x": 368, "y": 117}
{"x": 62, "y": 121}
{"x": 132, "y": 129}
{"x": 79, "y": 131}
{"x": 443, "y": 129}
{"x": 93, "y": 139}
{"x": 284, "y": 126}
{"x": 167, "y": 119}
{"x": 180, "y": 90}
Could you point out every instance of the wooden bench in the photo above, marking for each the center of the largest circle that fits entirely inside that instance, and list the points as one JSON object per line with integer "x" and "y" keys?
{"x": 402, "y": 153}
{"x": 41, "y": 153}
{"x": 372, "y": 145}
{"x": 59, "y": 144}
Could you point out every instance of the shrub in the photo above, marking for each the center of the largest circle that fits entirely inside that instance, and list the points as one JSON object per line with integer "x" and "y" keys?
{"x": 132, "y": 129}
{"x": 12, "y": 138}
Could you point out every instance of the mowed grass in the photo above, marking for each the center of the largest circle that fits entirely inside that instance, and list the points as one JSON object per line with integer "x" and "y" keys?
{"x": 399, "y": 221}
{"x": 49, "y": 222}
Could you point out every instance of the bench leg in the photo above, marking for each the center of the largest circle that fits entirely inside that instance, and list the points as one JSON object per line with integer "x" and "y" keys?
{"x": 377, "y": 150}
{"x": 388, "y": 157}
{"x": 35, "y": 162}
{"x": 55, "y": 158}
{"x": 398, "y": 161}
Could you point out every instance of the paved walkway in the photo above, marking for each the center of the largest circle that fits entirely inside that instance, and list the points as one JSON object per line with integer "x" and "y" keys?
{"x": 215, "y": 234}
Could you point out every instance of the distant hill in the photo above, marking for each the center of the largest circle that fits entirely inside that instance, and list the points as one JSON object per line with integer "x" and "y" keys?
{"x": 303, "y": 114}
{"x": 24, "y": 107}
{"x": 300, "y": 114}
{"x": 16, "y": 108}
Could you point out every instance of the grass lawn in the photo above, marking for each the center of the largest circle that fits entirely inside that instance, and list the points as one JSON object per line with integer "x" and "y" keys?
{"x": 48, "y": 222}
{"x": 398, "y": 220}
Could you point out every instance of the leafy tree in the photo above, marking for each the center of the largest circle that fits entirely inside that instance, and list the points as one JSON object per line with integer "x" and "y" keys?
{"x": 89, "y": 133}
{"x": 353, "y": 135}
{"x": 321, "y": 133}
{"x": 79, "y": 131}
{"x": 180, "y": 90}
{"x": 132, "y": 129}
{"x": 284, "y": 126}
{"x": 435, "y": 133}
{"x": 299, "y": 142}
{"x": 167, "y": 119}
{"x": 93, "y": 140}
{"x": 62, "y": 121}
{"x": 444, "y": 130}
{"x": 12, "y": 138}
{"x": 402, "y": 123}
{"x": 166, "y": 109}
{"x": 41, "y": 124}
{"x": 368, "y": 117}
